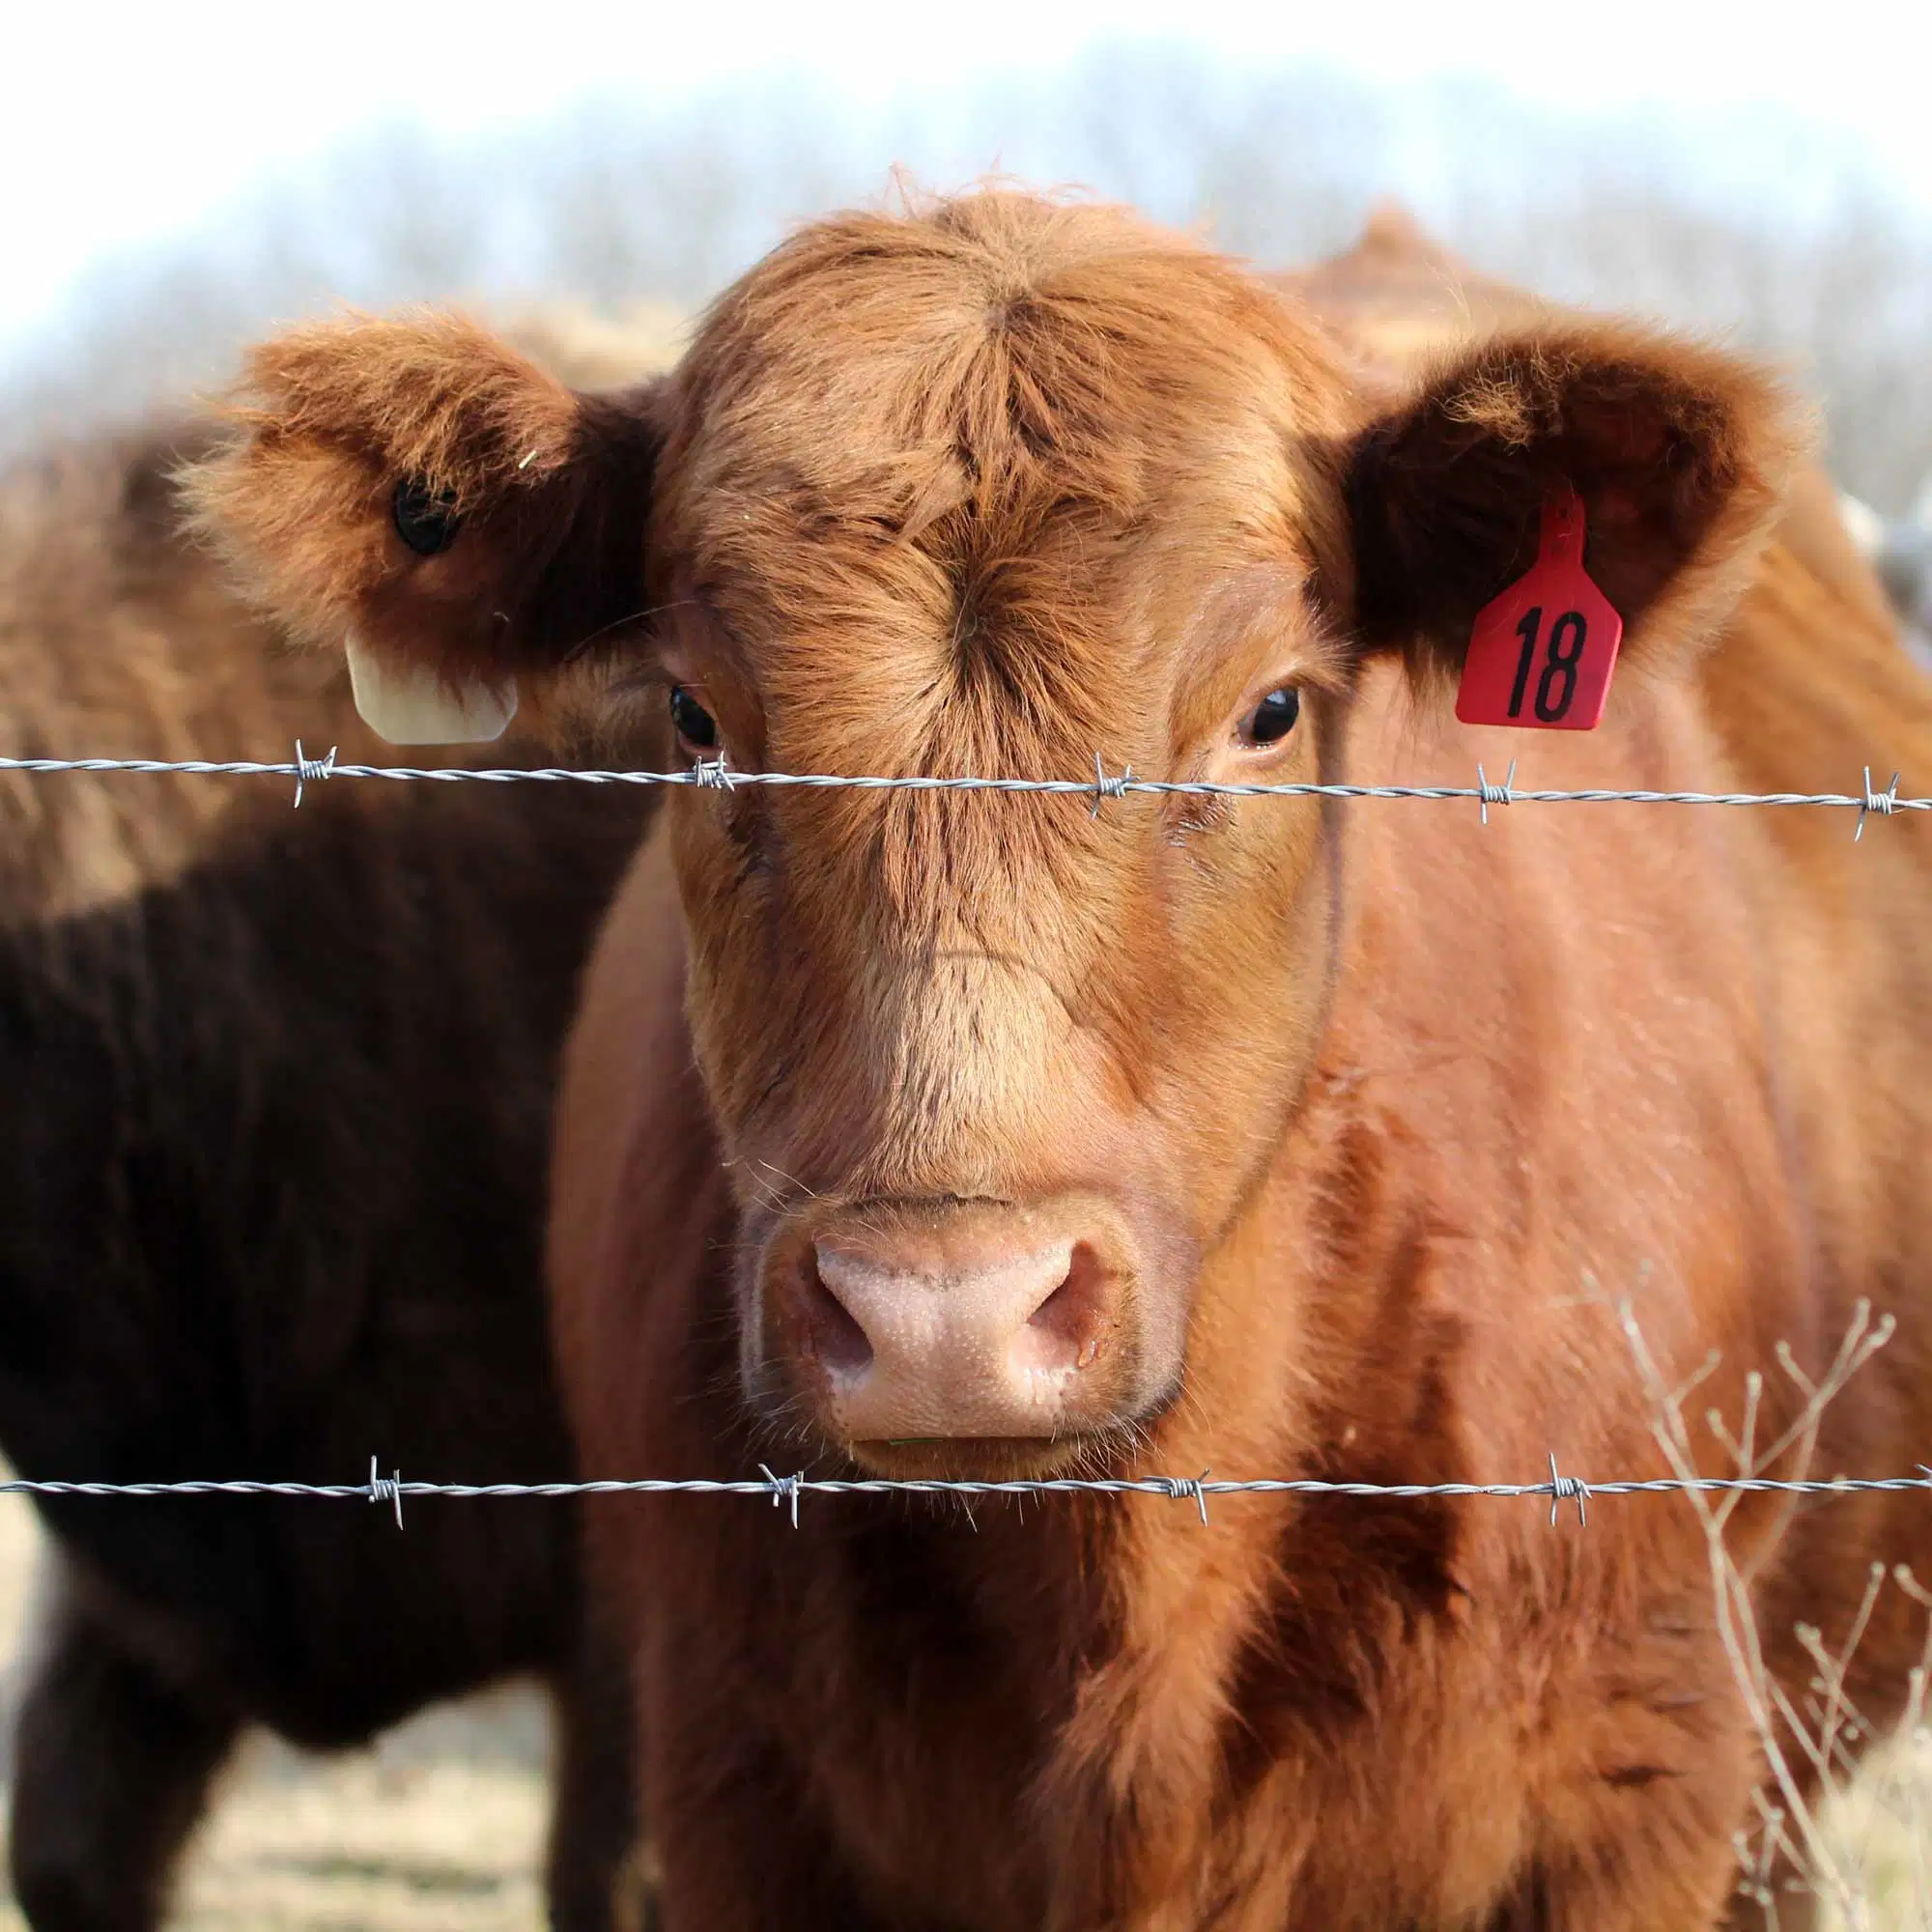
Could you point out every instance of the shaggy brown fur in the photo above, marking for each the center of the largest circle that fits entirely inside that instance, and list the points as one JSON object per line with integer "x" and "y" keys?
{"x": 278, "y": 1088}
{"x": 549, "y": 562}
{"x": 1380, "y": 1088}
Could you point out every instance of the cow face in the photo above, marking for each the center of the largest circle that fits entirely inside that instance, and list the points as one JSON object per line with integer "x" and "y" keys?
{"x": 1008, "y": 488}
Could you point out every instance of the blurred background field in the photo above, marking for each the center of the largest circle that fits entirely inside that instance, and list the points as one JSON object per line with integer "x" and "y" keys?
{"x": 1775, "y": 187}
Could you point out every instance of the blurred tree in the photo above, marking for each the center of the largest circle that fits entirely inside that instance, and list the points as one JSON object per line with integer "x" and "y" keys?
{"x": 1762, "y": 231}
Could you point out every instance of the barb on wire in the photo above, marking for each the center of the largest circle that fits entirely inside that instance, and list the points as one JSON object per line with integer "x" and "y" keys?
{"x": 784, "y": 1488}
{"x": 1180, "y": 1486}
{"x": 713, "y": 773}
{"x": 390, "y": 1489}
{"x": 1495, "y": 794}
{"x": 1105, "y": 787}
{"x": 1885, "y": 803}
{"x": 312, "y": 770}
{"x": 1567, "y": 1488}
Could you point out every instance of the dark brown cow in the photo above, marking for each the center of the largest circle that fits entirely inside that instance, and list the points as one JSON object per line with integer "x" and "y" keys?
{"x": 1000, "y": 1135}
{"x": 271, "y": 1183}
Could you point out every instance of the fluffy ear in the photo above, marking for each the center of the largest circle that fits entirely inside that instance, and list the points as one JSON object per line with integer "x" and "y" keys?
{"x": 415, "y": 488}
{"x": 1681, "y": 456}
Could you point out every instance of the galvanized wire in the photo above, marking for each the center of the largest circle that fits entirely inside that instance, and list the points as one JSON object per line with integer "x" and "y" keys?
{"x": 786, "y": 1490}
{"x": 715, "y": 775}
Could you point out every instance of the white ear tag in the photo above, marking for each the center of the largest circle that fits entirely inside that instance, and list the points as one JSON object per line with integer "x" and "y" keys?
{"x": 411, "y": 708}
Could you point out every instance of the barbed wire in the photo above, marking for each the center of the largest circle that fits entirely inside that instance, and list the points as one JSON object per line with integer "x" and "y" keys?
{"x": 782, "y": 1490}
{"x": 715, "y": 775}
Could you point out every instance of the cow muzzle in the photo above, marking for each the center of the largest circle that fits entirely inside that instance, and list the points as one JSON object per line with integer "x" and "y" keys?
{"x": 910, "y": 1325}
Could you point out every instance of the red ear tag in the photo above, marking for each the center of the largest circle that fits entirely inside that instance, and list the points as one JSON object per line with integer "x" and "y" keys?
{"x": 1540, "y": 654}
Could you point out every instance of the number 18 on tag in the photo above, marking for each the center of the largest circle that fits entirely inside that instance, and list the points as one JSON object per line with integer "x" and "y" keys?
{"x": 1540, "y": 654}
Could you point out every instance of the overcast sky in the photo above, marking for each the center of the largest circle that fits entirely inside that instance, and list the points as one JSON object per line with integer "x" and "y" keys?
{"x": 121, "y": 124}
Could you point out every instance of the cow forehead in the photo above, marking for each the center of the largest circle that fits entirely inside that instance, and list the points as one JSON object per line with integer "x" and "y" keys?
{"x": 984, "y": 662}
{"x": 958, "y": 407}
{"x": 957, "y": 487}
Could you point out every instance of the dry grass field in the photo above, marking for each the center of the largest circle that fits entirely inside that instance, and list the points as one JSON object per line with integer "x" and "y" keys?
{"x": 441, "y": 1828}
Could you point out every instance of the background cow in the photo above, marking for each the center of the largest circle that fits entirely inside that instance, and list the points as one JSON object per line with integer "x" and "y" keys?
{"x": 1900, "y": 549}
{"x": 1000, "y": 1135}
{"x": 279, "y": 1092}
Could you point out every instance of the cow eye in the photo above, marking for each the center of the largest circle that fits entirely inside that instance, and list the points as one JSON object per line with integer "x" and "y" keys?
{"x": 695, "y": 725}
{"x": 1272, "y": 719}
{"x": 428, "y": 523}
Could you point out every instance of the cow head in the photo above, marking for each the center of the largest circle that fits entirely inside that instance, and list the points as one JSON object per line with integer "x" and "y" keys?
{"x": 994, "y": 490}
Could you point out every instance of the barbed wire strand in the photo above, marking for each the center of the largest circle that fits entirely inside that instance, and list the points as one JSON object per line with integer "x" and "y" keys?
{"x": 715, "y": 775}
{"x": 786, "y": 1490}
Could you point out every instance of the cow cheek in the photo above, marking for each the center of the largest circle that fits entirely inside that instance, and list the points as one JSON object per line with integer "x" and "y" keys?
{"x": 1250, "y": 996}
{"x": 732, "y": 1002}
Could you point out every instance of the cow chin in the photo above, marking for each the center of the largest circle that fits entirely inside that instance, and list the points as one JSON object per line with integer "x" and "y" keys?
{"x": 962, "y": 1340}
{"x": 996, "y": 1458}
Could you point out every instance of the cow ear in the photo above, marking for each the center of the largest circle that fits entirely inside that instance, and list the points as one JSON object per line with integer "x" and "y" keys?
{"x": 414, "y": 490}
{"x": 1681, "y": 456}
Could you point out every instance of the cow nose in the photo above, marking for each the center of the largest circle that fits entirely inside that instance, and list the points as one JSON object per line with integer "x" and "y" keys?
{"x": 920, "y": 1341}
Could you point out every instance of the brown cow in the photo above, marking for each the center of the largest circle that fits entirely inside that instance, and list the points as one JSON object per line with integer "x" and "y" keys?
{"x": 272, "y": 1174}
{"x": 1015, "y": 1136}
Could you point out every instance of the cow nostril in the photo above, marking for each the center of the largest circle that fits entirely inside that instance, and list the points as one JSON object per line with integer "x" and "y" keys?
{"x": 832, "y": 1333}
{"x": 1072, "y": 1320}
